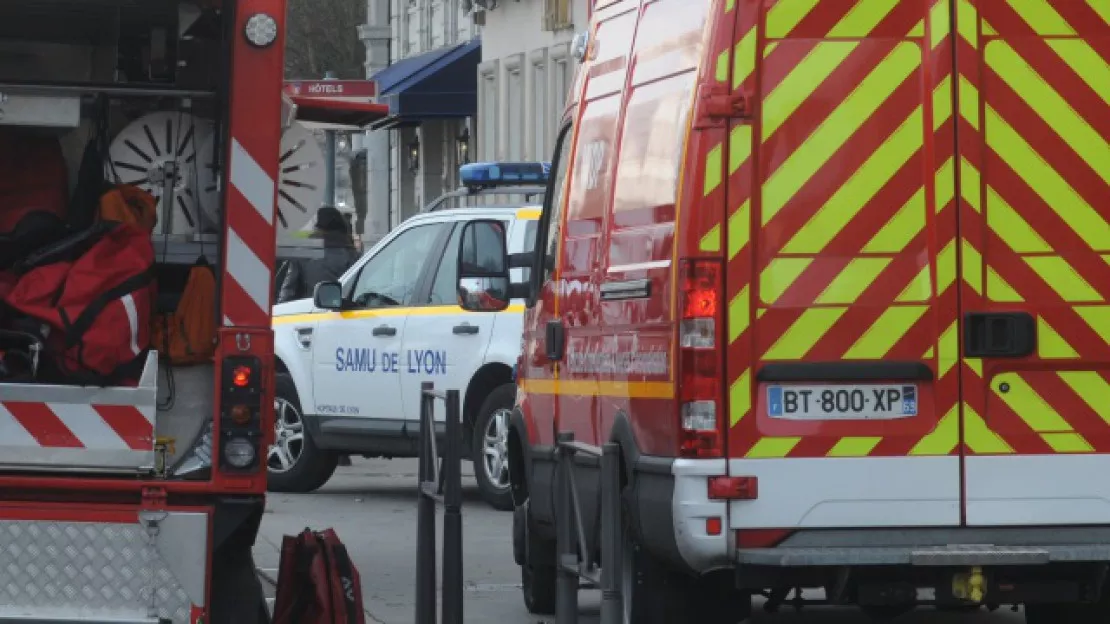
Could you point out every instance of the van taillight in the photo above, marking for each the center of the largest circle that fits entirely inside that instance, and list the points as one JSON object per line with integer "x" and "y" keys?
{"x": 699, "y": 360}
{"x": 240, "y": 410}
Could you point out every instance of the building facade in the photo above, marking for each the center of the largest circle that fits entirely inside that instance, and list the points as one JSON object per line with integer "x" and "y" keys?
{"x": 465, "y": 80}
{"x": 525, "y": 75}
{"x": 423, "y": 55}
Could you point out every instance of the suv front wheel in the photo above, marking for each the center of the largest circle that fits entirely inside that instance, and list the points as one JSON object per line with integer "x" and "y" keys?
{"x": 294, "y": 463}
{"x": 490, "y": 447}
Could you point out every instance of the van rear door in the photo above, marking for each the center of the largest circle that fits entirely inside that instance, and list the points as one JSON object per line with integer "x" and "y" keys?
{"x": 841, "y": 243}
{"x": 1034, "y": 150}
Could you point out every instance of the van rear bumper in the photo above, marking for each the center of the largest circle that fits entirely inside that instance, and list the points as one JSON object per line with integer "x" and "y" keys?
{"x": 935, "y": 547}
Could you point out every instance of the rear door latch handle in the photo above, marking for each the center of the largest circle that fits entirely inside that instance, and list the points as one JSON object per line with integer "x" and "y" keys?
{"x": 466, "y": 329}
{"x": 385, "y": 330}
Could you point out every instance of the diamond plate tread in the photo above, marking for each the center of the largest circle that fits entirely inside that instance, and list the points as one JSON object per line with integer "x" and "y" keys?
{"x": 92, "y": 569}
{"x": 963, "y": 554}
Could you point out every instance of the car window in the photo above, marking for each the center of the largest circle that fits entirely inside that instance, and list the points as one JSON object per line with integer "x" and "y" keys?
{"x": 444, "y": 288}
{"x": 554, "y": 205}
{"x": 391, "y": 276}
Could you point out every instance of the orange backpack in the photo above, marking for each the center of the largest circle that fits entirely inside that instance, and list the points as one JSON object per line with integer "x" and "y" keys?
{"x": 129, "y": 204}
{"x": 188, "y": 334}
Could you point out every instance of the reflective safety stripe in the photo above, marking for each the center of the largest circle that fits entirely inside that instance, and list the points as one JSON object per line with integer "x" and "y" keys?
{"x": 847, "y": 287}
{"x": 839, "y": 126}
{"x": 978, "y": 436}
{"x": 846, "y": 204}
{"x": 900, "y": 230}
{"x": 943, "y": 439}
{"x": 773, "y": 447}
{"x": 1063, "y": 278}
{"x": 1050, "y": 105}
{"x": 740, "y": 397}
{"x": 877, "y": 341}
{"x": 1042, "y": 18}
{"x": 804, "y": 333}
{"x": 780, "y": 275}
{"x": 1011, "y": 227}
{"x": 1046, "y": 182}
{"x": 854, "y": 447}
{"x": 999, "y": 290}
{"x": 1050, "y": 344}
{"x": 739, "y": 313}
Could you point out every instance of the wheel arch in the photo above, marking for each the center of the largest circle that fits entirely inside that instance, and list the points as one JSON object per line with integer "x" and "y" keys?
{"x": 520, "y": 458}
{"x": 484, "y": 381}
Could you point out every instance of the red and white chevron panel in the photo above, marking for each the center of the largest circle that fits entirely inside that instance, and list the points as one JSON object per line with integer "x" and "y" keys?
{"x": 250, "y": 238}
{"x": 253, "y": 150}
{"x": 111, "y": 428}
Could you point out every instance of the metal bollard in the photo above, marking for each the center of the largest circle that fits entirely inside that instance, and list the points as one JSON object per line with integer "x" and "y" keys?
{"x": 452, "y": 516}
{"x": 566, "y": 550}
{"x": 612, "y": 607}
{"x": 426, "y": 515}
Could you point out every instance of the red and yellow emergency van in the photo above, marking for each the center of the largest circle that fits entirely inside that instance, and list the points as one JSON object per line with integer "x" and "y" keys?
{"x": 834, "y": 274}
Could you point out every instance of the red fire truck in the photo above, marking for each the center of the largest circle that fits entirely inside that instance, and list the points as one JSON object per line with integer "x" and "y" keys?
{"x": 140, "y": 502}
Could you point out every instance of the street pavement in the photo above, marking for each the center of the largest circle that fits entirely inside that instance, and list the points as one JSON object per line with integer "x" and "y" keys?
{"x": 372, "y": 506}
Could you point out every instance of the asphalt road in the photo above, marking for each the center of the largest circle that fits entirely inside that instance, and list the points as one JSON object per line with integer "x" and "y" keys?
{"x": 372, "y": 506}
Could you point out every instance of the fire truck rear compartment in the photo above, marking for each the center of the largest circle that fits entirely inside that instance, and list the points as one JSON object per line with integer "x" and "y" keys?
{"x": 122, "y": 529}
{"x": 964, "y": 568}
{"x": 59, "y": 59}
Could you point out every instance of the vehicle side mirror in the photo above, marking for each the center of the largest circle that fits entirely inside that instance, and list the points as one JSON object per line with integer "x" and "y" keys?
{"x": 328, "y": 296}
{"x": 483, "y": 270}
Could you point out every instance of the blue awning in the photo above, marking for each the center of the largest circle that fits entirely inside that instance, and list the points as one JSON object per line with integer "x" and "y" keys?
{"x": 440, "y": 84}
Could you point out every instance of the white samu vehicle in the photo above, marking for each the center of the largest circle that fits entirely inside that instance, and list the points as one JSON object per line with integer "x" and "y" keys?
{"x": 350, "y": 361}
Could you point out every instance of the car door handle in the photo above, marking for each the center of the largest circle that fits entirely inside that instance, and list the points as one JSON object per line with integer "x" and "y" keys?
{"x": 385, "y": 330}
{"x": 466, "y": 328}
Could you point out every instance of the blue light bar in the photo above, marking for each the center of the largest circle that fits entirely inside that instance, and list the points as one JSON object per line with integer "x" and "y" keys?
{"x": 494, "y": 174}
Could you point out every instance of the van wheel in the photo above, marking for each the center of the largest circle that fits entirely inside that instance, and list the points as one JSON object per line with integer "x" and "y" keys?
{"x": 1076, "y": 613}
{"x": 654, "y": 594}
{"x": 490, "y": 447}
{"x": 294, "y": 463}
{"x": 537, "y": 575}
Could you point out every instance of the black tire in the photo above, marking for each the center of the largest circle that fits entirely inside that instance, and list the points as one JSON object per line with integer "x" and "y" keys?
{"x": 655, "y": 594}
{"x": 885, "y": 613}
{"x": 537, "y": 583}
{"x": 537, "y": 573}
{"x": 312, "y": 467}
{"x": 499, "y": 403}
{"x": 1097, "y": 613}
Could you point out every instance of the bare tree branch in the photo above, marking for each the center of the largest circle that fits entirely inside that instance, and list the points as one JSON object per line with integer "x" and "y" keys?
{"x": 321, "y": 36}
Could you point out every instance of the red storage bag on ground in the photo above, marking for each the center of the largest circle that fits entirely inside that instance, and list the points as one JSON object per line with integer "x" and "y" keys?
{"x": 317, "y": 582}
{"x": 33, "y": 177}
{"x": 98, "y": 306}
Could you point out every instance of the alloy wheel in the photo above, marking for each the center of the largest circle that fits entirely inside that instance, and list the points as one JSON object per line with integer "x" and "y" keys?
{"x": 495, "y": 449}
{"x": 288, "y": 437}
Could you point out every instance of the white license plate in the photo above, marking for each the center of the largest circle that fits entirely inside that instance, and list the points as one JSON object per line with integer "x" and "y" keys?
{"x": 872, "y": 402}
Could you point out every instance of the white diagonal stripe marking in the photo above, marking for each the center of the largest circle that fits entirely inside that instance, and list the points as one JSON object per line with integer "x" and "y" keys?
{"x": 12, "y": 433}
{"x": 252, "y": 181}
{"x": 245, "y": 268}
{"x": 88, "y": 426}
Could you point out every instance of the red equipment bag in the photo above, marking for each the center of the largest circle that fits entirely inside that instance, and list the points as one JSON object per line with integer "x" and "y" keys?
{"x": 33, "y": 177}
{"x": 317, "y": 582}
{"x": 97, "y": 305}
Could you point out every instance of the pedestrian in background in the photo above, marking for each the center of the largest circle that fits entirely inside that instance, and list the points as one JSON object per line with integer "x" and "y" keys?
{"x": 339, "y": 254}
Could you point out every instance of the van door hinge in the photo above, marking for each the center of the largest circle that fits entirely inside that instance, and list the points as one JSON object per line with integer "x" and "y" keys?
{"x": 719, "y": 105}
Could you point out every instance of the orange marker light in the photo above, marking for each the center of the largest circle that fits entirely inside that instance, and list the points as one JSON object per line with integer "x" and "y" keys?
{"x": 240, "y": 414}
{"x": 241, "y": 376}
